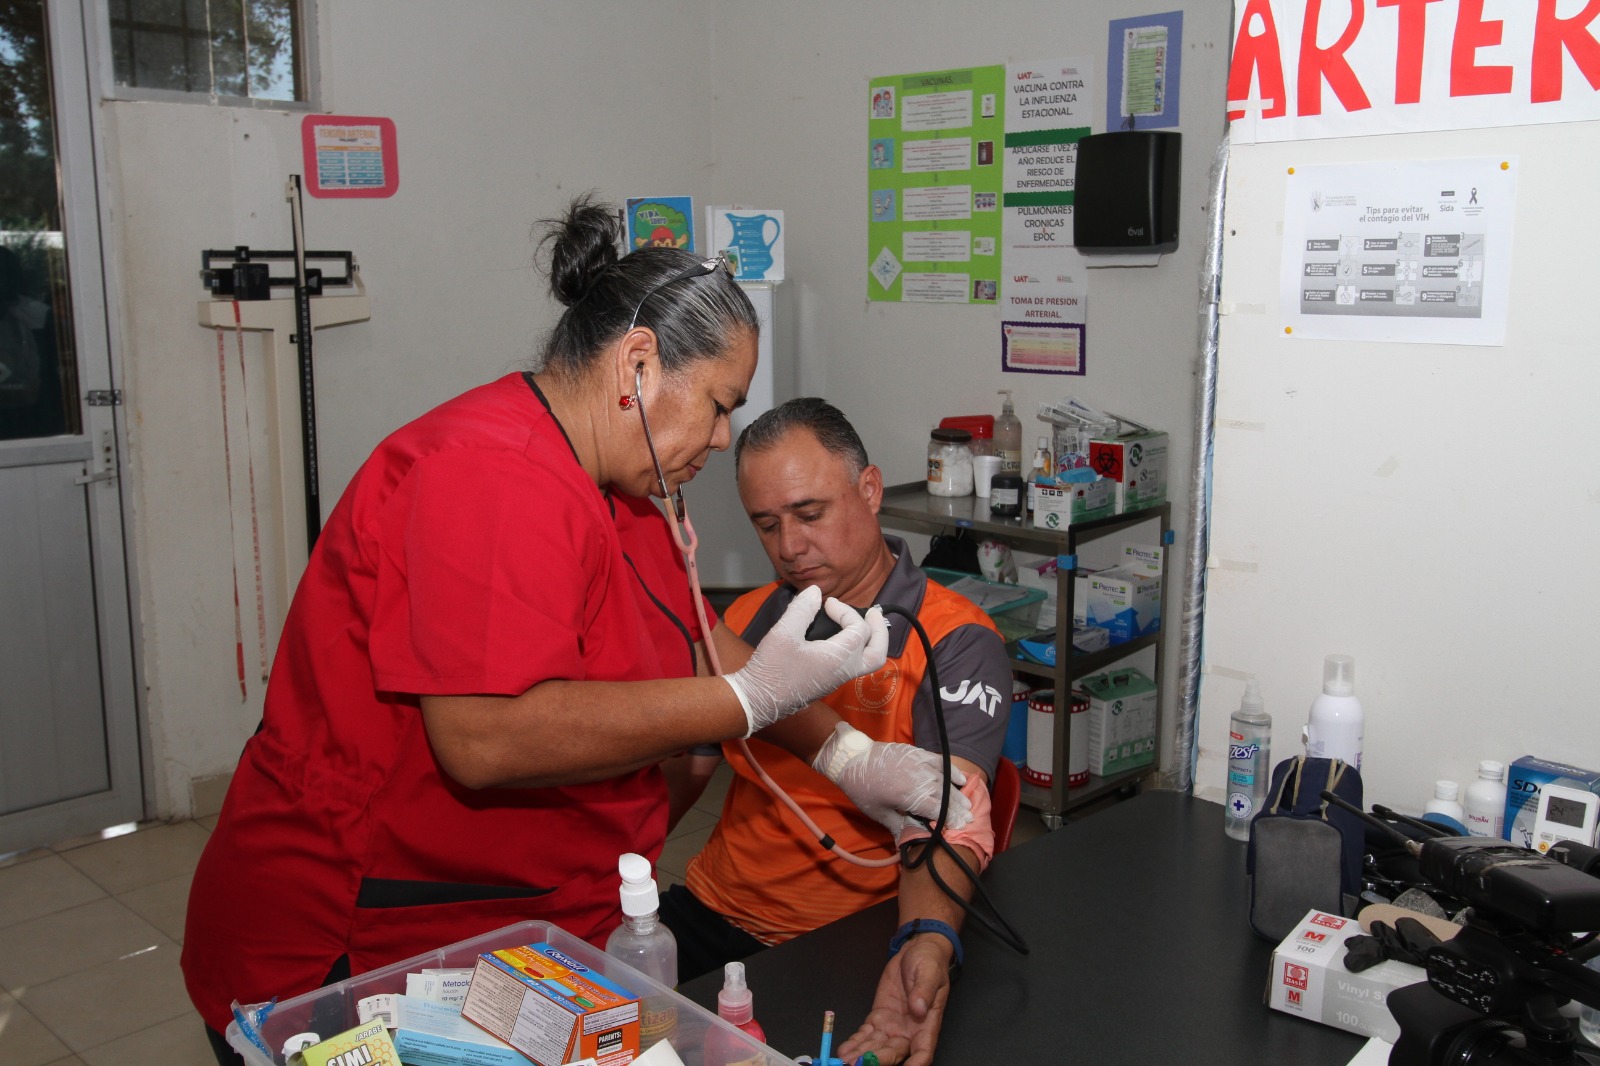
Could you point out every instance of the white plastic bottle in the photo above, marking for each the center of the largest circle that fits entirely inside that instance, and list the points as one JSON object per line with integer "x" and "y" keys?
{"x": 644, "y": 943}
{"x": 1249, "y": 762}
{"x": 1008, "y": 436}
{"x": 1337, "y": 726}
{"x": 1485, "y": 801}
{"x": 1444, "y": 802}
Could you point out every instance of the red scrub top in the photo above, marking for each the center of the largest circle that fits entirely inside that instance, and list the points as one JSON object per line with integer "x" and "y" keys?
{"x": 471, "y": 554}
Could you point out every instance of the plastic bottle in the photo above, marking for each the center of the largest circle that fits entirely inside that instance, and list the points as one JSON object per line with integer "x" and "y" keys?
{"x": 1337, "y": 724}
{"x": 644, "y": 943}
{"x": 1008, "y": 436}
{"x": 1485, "y": 801}
{"x": 734, "y": 1007}
{"x": 1444, "y": 802}
{"x": 1040, "y": 468}
{"x": 1249, "y": 762}
{"x": 1588, "y": 1017}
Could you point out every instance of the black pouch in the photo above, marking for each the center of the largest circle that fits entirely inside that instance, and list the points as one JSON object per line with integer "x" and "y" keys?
{"x": 953, "y": 551}
{"x": 1305, "y": 853}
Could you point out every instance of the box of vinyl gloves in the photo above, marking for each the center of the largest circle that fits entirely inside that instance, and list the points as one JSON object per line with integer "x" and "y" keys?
{"x": 1308, "y": 978}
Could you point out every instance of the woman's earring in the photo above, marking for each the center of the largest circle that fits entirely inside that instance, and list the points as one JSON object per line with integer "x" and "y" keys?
{"x": 627, "y": 403}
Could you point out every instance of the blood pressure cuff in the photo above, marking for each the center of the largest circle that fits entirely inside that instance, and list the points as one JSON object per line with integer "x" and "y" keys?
{"x": 977, "y": 834}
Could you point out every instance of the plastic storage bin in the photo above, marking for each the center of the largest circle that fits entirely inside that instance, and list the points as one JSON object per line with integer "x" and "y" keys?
{"x": 332, "y": 1010}
{"x": 1014, "y": 609}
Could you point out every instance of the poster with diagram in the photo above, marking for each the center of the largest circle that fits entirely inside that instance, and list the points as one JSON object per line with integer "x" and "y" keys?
{"x": 1416, "y": 251}
{"x": 933, "y": 186}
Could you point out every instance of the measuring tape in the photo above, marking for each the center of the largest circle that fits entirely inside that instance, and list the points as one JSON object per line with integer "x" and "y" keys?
{"x": 255, "y": 523}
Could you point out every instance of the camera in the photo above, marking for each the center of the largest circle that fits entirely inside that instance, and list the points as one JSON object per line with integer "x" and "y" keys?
{"x": 1494, "y": 990}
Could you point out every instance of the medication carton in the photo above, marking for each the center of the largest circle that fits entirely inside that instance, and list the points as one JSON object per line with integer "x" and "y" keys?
{"x": 553, "y": 1008}
{"x": 1308, "y": 978}
{"x": 1135, "y": 464}
{"x": 1523, "y": 782}
{"x": 368, "y": 1044}
{"x": 1125, "y": 602}
{"x": 1059, "y": 506}
{"x": 427, "y": 1033}
{"x": 1122, "y": 721}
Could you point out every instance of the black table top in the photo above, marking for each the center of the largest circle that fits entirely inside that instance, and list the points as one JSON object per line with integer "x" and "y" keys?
{"x": 1140, "y": 952}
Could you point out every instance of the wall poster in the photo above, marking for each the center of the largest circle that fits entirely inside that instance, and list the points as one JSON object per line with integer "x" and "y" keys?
{"x": 933, "y": 186}
{"x": 1416, "y": 251}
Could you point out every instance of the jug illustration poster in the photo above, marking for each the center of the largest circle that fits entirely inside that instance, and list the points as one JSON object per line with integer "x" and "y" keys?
{"x": 660, "y": 222}
{"x": 751, "y": 238}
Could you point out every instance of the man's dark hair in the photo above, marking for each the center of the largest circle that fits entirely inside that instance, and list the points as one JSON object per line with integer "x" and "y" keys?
{"x": 825, "y": 422}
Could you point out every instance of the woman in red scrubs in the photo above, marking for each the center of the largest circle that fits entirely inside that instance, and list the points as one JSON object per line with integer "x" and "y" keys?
{"x": 492, "y": 647}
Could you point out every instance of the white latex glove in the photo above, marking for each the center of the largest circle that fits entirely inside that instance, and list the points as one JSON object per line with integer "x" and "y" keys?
{"x": 788, "y": 671}
{"x": 889, "y": 781}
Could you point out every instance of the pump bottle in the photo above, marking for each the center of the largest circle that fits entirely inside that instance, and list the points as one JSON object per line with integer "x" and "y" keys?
{"x": 734, "y": 1006}
{"x": 1041, "y": 468}
{"x": 644, "y": 943}
{"x": 1337, "y": 725}
{"x": 1008, "y": 436}
{"x": 1485, "y": 800}
{"x": 1249, "y": 762}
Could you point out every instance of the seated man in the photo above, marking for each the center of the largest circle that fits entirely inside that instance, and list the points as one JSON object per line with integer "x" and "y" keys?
{"x": 763, "y": 878}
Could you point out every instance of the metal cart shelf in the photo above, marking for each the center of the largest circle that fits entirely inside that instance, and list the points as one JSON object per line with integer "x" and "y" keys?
{"x": 909, "y": 506}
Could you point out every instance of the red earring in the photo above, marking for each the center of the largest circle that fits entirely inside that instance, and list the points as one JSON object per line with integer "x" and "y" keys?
{"x": 627, "y": 403}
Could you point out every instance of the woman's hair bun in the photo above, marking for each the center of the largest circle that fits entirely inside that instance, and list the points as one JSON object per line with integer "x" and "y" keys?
{"x": 579, "y": 245}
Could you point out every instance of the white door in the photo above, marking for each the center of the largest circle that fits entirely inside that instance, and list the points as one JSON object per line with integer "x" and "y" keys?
{"x": 69, "y": 746}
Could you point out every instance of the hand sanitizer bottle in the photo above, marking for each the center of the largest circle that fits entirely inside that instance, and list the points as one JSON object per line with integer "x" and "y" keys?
{"x": 1249, "y": 762}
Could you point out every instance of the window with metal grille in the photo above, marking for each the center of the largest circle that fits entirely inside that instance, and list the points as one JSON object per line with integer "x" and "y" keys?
{"x": 223, "y": 50}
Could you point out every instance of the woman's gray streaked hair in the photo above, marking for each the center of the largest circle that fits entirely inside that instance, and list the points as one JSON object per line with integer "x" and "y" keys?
{"x": 693, "y": 318}
{"x": 826, "y": 422}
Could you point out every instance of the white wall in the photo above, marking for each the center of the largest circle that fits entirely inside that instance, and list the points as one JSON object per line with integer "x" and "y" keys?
{"x": 504, "y": 109}
{"x": 789, "y": 131}
{"x": 1426, "y": 508}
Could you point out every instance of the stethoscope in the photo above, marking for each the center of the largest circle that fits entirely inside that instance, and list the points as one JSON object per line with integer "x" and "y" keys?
{"x": 688, "y": 543}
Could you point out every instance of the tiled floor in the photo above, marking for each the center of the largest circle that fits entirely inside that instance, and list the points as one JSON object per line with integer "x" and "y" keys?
{"x": 90, "y": 933}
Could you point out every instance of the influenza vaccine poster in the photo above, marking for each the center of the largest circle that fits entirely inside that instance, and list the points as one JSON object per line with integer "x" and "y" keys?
{"x": 1045, "y": 296}
{"x": 1415, "y": 251}
{"x": 933, "y": 186}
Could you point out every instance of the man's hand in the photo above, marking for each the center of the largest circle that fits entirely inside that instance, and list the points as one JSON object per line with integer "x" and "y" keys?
{"x": 908, "y": 1007}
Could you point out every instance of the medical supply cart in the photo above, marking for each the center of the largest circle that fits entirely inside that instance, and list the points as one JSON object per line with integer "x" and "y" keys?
{"x": 911, "y": 507}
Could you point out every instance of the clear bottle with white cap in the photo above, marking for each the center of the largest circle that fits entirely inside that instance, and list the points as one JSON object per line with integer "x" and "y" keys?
{"x": 1485, "y": 800}
{"x": 1337, "y": 726}
{"x": 644, "y": 943}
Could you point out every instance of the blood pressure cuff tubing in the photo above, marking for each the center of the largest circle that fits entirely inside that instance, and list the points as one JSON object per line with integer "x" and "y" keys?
{"x": 977, "y": 834}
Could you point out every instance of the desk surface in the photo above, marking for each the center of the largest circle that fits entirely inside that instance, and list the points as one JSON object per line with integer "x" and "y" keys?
{"x": 1140, "y": 952}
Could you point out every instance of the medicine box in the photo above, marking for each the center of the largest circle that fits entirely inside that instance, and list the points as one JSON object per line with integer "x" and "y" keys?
{"x": 1308, "y": 979}
{"x": 1059, "y": 506}
{"x": 1126, "y": 602}
{"x": 1122, "y": 721}
{"x": 333, "y": 1009}
{"x": 1523, "y": 782}
{"x": 1135, "y": 464}
{"x": 553, "y": 1008}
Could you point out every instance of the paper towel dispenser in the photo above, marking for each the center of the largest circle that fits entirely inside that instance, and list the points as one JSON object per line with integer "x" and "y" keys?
{"x": 1127, "y": 192}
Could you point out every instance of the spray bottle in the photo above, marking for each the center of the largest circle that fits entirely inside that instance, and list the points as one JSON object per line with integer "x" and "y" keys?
{"x": 644, "y": 943}
{"x": 734, "y": 1006}
{"x": 1337, "y": 725}
{"x": 1249, "y": 762}
{"x": 1008, "y": 436}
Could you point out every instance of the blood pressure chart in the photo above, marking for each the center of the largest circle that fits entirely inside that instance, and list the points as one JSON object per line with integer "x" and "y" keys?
{"x": 1413, "y": 251}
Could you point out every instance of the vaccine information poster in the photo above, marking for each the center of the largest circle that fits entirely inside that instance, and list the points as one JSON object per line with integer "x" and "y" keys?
{"x": 1044, "y": 298}
{"x": 933, "y": 186}
{"x": 1416, "y": 251}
